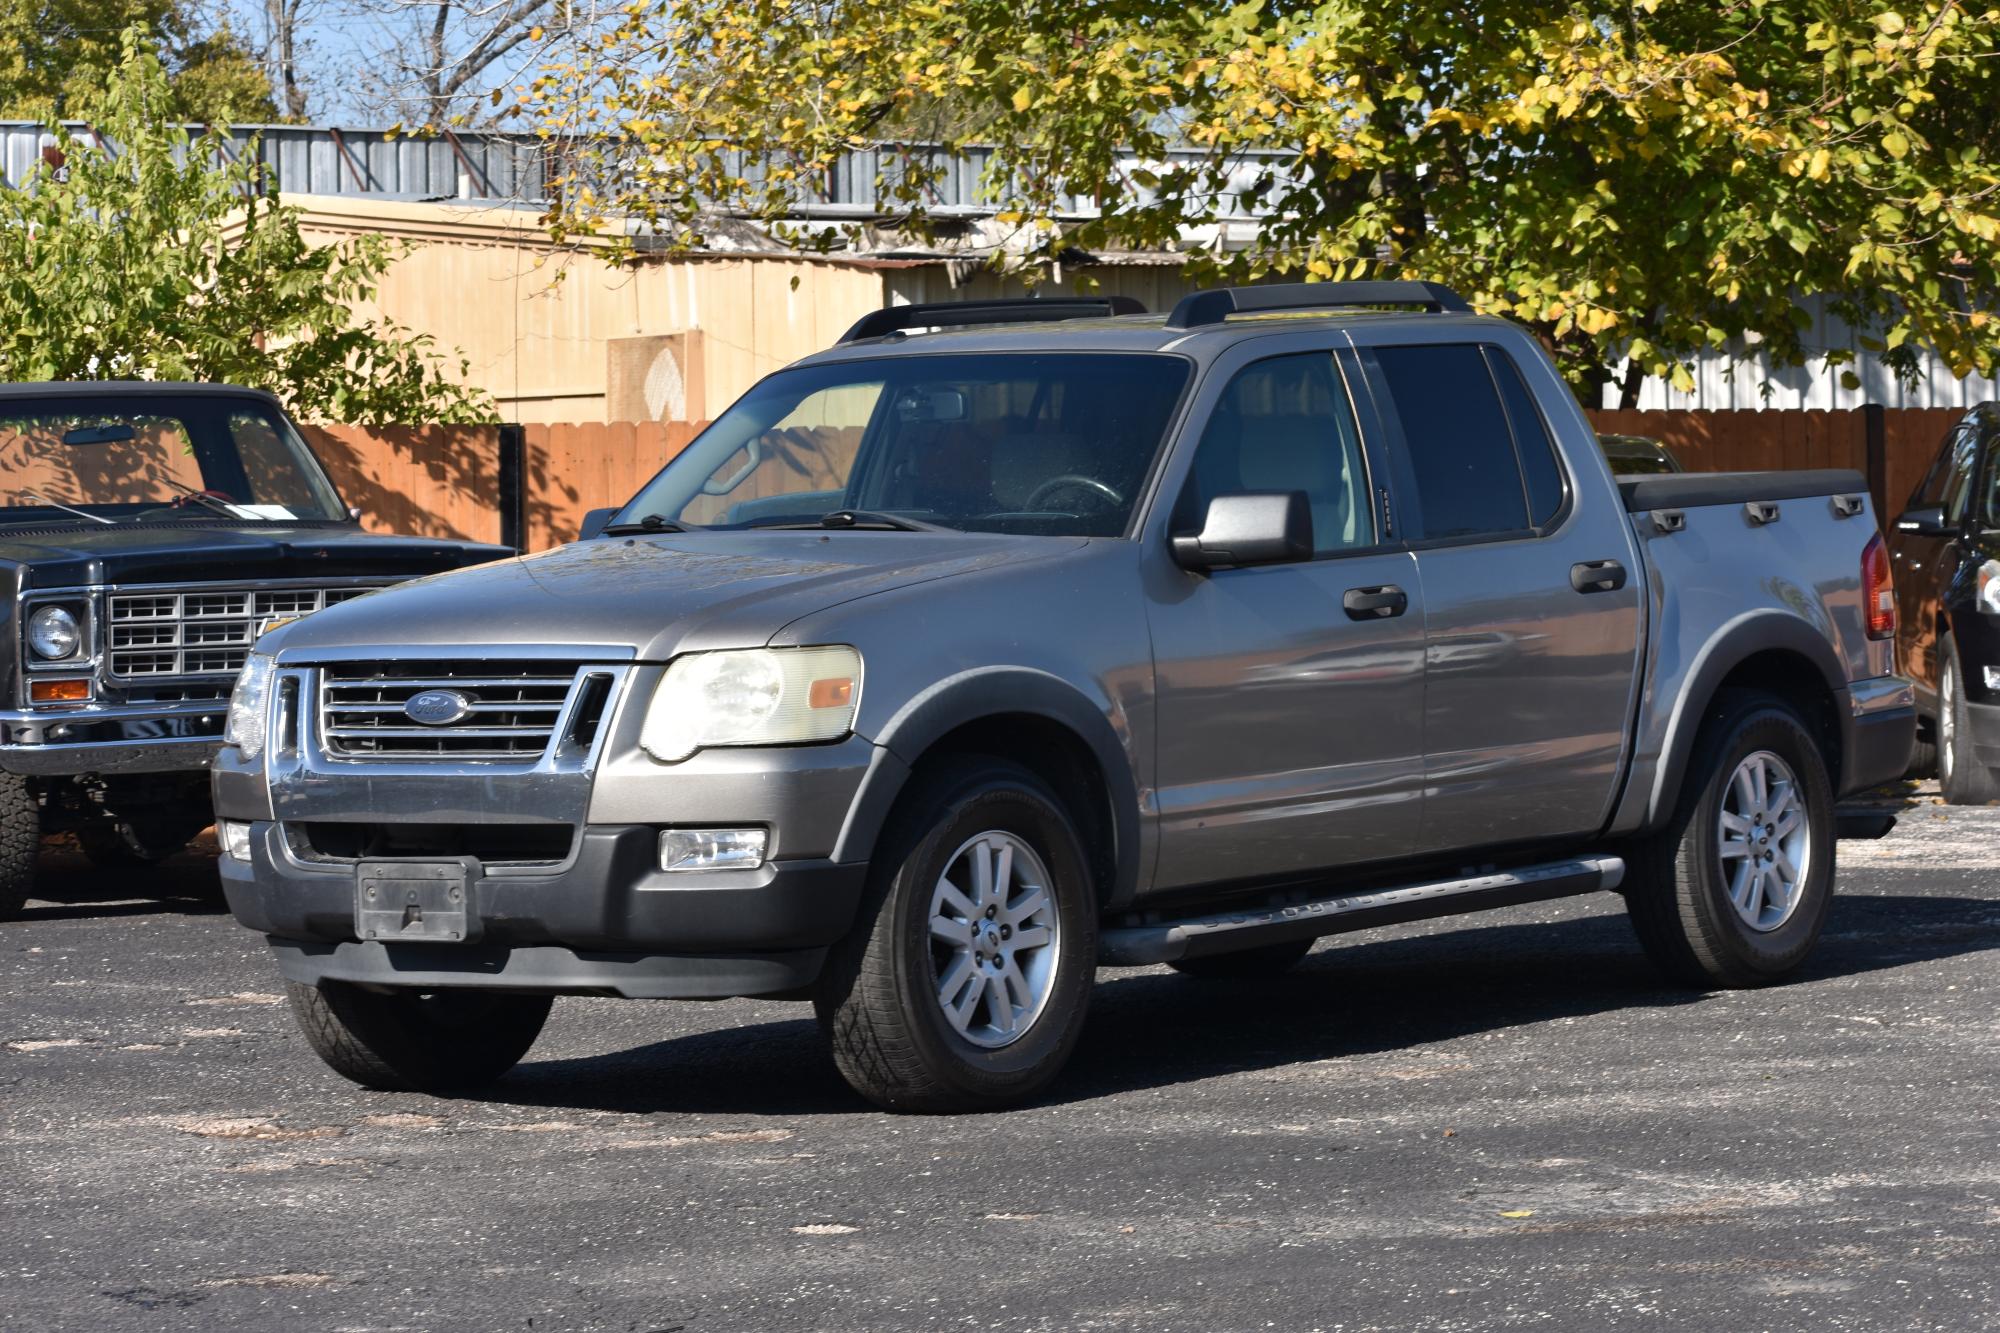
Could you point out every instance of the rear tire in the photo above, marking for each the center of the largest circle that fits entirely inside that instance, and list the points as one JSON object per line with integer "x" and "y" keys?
{"x": 962, "y": 988}
{"x": 20, "y": 842}
{"x": 1266, "y": 960}
{"x": 417, "y": 1041}
{"x": 1694, "y": 888}
{"x": 1962, "y": 778}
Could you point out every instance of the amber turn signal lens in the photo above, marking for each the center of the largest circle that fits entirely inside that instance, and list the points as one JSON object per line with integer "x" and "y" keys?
{"x": 833, "y": 692}
{"x": 59, "y": 692}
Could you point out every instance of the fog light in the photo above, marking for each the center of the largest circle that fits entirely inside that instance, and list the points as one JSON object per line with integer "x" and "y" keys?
{"x": 1992, "y": 675}
{"x": 235, "y": 839}
{"x": 712, "y": 848}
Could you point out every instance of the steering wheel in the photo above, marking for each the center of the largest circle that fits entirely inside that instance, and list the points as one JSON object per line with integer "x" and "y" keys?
{"x": 186, "y": 498}
{"x": 1071, "y": 479}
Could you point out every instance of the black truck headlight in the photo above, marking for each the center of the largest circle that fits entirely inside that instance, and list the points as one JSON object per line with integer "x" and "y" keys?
{"x": 53, "y": 634}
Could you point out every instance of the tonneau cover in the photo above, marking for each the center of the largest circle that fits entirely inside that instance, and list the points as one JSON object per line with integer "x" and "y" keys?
{"x": 1694, "y": 490}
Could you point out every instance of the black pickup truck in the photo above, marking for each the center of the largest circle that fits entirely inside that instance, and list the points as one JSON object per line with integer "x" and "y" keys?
{"x": 148, "y": 534}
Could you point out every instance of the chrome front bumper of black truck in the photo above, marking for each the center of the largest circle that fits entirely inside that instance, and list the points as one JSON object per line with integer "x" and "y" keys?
{"x": 111, "y": 739}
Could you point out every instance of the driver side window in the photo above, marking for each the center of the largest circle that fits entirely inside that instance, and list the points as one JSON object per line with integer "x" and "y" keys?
{"x": 1284, "y": 425}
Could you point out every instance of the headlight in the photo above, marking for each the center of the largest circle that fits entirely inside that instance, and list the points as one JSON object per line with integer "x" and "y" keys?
{"x": 250, "y": 706}
{"x": 762, "y": 696}
{"x": 1989, "y": 587}
{"x": 53, "y": 633}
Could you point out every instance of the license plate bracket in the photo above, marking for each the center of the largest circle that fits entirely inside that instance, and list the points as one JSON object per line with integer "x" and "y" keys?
{"x": 406, "y": 901}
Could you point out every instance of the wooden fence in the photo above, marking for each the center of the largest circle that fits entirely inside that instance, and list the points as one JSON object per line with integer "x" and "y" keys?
{"x": 1892, "y": 448}
{"x": 444, "y": 481}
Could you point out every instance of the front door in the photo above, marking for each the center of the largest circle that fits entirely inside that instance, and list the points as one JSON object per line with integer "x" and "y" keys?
{"x": 1289, "y": 724}
{"x": 1531, "y": 600}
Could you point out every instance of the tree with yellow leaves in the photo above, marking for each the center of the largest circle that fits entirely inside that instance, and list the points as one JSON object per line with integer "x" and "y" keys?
{"x": 1637, "y": 181}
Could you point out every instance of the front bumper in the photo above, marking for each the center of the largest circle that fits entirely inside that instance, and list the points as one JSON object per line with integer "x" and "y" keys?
{"x": 60, "y": 743}
{"x": 607, "y": 921}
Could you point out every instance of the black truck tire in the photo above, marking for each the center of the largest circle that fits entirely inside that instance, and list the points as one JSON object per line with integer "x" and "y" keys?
{"x": 918, "y": 1002}
{"x": 1689, "y": 888}
{"x": 1962, "y": 778}
{"x": 20, "y": 842}
{"x": 417, "y": 1041}
{"x": 1266, "y": 960}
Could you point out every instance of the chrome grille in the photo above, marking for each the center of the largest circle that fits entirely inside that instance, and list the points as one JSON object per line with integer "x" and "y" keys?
{"x": 203, "y": 630}
{"x": 512, "y": 708}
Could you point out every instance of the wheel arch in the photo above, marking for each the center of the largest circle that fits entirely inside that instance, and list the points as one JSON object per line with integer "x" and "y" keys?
{"x": 1778, "y": 653}
{"x": 1041, "y": 722}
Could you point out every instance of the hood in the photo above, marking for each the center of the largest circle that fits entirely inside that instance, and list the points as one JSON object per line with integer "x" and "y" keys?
{"x": 655, "y": 596}
{"x": 72, "y": 555}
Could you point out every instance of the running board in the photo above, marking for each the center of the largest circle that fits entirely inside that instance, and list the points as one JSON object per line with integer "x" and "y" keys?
{"x": 1224, "y": 932}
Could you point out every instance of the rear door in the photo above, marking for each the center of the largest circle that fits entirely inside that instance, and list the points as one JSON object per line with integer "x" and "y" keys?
{"x": 1531, "y": 601}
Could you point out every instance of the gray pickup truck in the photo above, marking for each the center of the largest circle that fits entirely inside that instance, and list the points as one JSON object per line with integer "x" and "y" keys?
{"x": 1002, "y": 642}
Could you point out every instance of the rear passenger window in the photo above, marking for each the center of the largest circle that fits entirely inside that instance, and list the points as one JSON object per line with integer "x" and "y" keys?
{"x": 1284, "y": 425}
{"x": 1536, "y": 450}
{"x": 1458, "y": 440}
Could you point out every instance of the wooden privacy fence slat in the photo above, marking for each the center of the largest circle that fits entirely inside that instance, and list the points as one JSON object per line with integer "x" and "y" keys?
{"x": 443, "y": 481}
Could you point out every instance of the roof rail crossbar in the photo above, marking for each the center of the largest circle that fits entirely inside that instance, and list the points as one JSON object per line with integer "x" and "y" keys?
{"x": 959, "y": 314}
{"x": 1212, "y": 307}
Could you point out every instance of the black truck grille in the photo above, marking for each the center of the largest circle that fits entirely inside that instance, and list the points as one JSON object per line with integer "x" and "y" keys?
{"x": 203, "y": 629}
{"x": 506, "y": 710}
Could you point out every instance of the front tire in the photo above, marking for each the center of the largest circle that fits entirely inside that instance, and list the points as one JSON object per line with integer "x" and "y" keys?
{"x": 20, "y": 842}
{"x": 1735, "y": 890}
{"x": 964, "y": 983}
{"x": 1962, "y": 778}
{"x": 417, "y": 1041}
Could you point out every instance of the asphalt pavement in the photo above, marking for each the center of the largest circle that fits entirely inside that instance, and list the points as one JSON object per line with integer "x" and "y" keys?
{"x": 1494, "y": 1122}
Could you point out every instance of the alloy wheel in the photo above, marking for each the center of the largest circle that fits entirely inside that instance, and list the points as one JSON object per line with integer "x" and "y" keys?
{"x": 993, "y": 934}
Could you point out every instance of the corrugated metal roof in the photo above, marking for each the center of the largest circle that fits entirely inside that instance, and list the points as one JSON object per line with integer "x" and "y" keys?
{"x": 1741, "y": 377}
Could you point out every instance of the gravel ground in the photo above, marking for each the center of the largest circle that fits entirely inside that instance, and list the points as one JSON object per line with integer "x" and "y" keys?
{"x": 1494, "y": 1122}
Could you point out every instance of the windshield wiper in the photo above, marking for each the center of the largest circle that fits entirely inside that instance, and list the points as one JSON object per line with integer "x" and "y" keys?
{"x": 869, "y": 518}
{"x": 219, "y": 506}
{"x": 650, "y": 523}
{"x": 39, "y": 498}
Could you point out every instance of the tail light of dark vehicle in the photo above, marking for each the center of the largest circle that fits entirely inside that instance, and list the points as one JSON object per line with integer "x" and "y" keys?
{"x": 1878, "y": 589}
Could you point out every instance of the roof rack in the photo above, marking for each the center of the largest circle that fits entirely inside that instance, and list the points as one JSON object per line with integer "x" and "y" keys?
{"x": 958, "y": 314}
{"x": 1212, "y": 307}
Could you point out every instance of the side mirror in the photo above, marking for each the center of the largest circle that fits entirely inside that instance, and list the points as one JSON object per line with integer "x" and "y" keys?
{"x": 1926, "y": 522}
{"x": 1249, "y": 528}
{"x": 594, "y": 523}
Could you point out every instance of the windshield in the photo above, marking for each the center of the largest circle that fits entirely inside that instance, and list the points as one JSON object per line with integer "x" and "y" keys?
{"x": 128, "y": 457}
{"x": 992, "y": 442}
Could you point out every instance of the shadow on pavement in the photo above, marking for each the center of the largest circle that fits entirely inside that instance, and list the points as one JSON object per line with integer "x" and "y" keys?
{"x": 1153, "y": 1030}
{"x": 69, "y": 888}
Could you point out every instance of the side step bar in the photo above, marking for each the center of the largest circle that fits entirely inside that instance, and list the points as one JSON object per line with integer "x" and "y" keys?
{"x": 1191, "y": 937}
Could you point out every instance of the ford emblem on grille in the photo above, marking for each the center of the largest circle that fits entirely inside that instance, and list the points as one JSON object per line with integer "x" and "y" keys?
{"x": 437, "y": 708}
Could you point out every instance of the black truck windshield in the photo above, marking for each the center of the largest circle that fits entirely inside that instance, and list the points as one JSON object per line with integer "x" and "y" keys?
{"x": 1056, "y": 443}
{"x": 124, "y": 457}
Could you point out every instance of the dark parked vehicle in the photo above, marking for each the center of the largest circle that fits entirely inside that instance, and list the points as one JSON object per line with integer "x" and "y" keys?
{"x": 945, "y": 668}
{"x": 1946, "y": 548}
{"x": 148, "y": 534}
{"x": 1637, "y": 456}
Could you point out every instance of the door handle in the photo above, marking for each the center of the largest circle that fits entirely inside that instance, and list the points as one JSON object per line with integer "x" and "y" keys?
{"x": 1375, "y": 603}
{"x": 1597, "y": 576}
